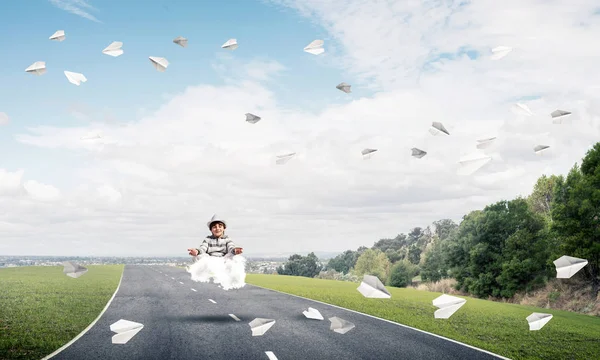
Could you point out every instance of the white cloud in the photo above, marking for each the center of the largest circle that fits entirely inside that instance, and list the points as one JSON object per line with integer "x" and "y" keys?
{"x": 76, "y": 7}
{"x": 150, "y": 186}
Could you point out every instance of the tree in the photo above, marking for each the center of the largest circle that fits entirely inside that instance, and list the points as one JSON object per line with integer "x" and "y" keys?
{"x": 414, "y": 254}
{"x": 444, "y": 227}
{"x": 541, "y": 198}
{"x": 373, "y": 262}
{"x": 434, "y": 265}
{"x": 343, "y": 262}
{"x": 402, "y": 273}
{"x": 298, "y": 265}
{"x": 576, "y": 214}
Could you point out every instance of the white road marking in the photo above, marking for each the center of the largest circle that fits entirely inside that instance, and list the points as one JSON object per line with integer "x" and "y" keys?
{"x": 234, "y": 317}
{"x": 181, "y": 283}
{"x": 212, "y": 301}
{"x": 193, "y": 289}
{"x": 271, "y": 355}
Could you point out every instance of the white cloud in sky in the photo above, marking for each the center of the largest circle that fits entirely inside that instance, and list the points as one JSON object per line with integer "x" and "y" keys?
{"x": 76, "y": 7}
{"x": 150, "y": 186}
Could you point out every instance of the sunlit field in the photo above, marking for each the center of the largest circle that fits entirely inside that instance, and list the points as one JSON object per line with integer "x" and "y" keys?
{"x": 42, "y": 309}
{"x": 496, "y": 327}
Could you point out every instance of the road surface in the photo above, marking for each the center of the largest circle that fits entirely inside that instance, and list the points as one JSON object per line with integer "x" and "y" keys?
{"x": 188, "y": 320}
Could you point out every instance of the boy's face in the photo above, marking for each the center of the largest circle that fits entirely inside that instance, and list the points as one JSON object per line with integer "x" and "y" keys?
{"x": 217, "y": 229}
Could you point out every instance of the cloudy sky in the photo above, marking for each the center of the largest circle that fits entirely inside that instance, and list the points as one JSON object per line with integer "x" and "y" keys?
{"x": 176, "y": 148}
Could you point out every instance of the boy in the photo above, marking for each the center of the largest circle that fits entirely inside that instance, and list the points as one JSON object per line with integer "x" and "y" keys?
{"x": 230, "y": 273}
{"x": 217, "y": 244}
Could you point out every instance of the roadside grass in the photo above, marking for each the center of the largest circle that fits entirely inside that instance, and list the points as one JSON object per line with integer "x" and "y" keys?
{"x": 41, "y": 308}
{"x": 497, "y": 327}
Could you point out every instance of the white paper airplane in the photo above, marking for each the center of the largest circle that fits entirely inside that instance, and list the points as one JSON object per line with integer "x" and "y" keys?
{"x": 522, "y": 109}
{"x": 368, "y": 153}
{"x": 259, "y": 326}
{"x": 538, "y": 320}
{"x": 230, "y": 44}
{"x": 37, "y": 68}
{"x": 58, "y": 36}
{"x": 437, "y": 128}
{"x": 540, "y": 149}
{"x": 114, "y": 49}
{"x": 282, "y": 159}
{"x": 315, "y": 47}
{"x": 181, "y": 41}
{"x": 339, "y": 325}
{"x": 75, "y": 78}
{"x": 371, "y": 287}
{"x": 312, "y": 313}
{"x": 125, "y": 330}
{"x": 159, "y": 63}
{"x": 567, "y": 266}
{"x": 252, "y": 119}
{"x": 500, "y": 51}
{"x": 559, "y": 115}
{"x": 447, "y": 305}
{"x": 485, "y": 143}
{"x": 418, "y": 153}
{"x": 73, "y": 270}
{"x": 471, "y": 163}
{"x": 344, "y": 87}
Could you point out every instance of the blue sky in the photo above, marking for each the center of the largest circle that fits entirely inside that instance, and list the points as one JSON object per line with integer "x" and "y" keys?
{"x": 123, "y": 85}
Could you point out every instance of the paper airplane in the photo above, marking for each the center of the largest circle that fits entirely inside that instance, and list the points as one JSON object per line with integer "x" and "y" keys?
{"x": 181, "y": 41}
{"x": 37, "y": 68}
{"x": 485, "y": 143}
{"x": 125, "y": 330}
{"x": 114, "y": 49}
{"x": 559, "y": 115}
{"x": 437, "y": 128}
{"x": 91, "y": 137}
{"x": 418, "y": 153}
{"x": 522, "y": 109}
{"x": 282, "y": 159}
{"x": 367, "y": 153}
{"x": 159, "y": 63}
{"x": 230, "y": 44}
{"x": 344, "y": 87}
{"x": 372, "y": 287}
{"x": 315, "y": 47}
{"x": 471, "y": 163}
{"x": 539, "y": 149}
{"x": 58, "y": 36}
{"x": 75, "y": 78}
{"x": 260, "y": 326}
{"x": 312, "y": 313}
{"x": 567, "y": 266}
{"x": 500, "y": 51}
{"x": 538, "y": 320}
{"x": 252, "y": 119}
{"x": 340, "y": 326}
{"x": 73, "y": 270}
{"x": 447, "y": 305}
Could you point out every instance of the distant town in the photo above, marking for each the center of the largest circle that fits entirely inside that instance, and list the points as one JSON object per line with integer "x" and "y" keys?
{"x": 254, "y": 265}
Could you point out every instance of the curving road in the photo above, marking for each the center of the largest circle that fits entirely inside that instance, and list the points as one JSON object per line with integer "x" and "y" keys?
{"x": 187, "y": 320}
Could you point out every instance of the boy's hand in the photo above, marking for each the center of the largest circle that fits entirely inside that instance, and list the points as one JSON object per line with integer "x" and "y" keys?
{"x": 237, "y": 250}
{"x": 193, "y": 252}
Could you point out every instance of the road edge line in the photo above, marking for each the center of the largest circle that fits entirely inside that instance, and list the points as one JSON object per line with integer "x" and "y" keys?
{"x": 391, "y": 322}
{"x": 56, "y": 352}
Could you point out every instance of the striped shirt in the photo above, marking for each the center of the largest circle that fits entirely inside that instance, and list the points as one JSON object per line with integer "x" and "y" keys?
{"x": 216, "y": 246}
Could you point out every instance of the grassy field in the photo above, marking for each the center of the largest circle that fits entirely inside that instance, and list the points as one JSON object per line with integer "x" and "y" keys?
{"x": 497, "y": 327}
{"x": 41, "y": 308}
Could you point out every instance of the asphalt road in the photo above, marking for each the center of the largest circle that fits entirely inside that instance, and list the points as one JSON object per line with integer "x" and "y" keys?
{"x": 180, "y": 324}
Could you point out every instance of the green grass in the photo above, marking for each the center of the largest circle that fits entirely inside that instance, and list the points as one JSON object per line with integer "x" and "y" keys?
{"x": 497, "y": 327}
{"x": 42, "y": 309}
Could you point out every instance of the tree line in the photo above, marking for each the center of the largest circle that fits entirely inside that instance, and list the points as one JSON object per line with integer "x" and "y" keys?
{"x": 507, "y": 247}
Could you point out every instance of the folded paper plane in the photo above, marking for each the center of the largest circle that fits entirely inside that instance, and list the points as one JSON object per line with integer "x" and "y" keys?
{"x": 252, "y": 119}
{"x": 500, "y": 51}
{"x": 58, "y": 36}
{"x": 538, "y": 320}
{"x": 315, "y": 47}
{"x": 181, "y": 41}
{"x": 437, "y": 128}
{"x": 540, "y": 149}
{"x": 567, "y": 266}
{"x": 282, "y": 159}
{"x": 73, "y": 270}
{"x": 340, "y": 326}
{"x": 125, "y": 330}
{"x": 259, "y": 326}
{"x": 522, "y": 109}
{"x": 230, "y": 44}
{"x": 367, "y": 153}
{"x": 114, "y": 49}
{"x": 485, "y": 143}
{"x": 159, "y": 63}
{"x": 75, "y": 78}
{"x": 558, "y": 116}
{"x": 312, "y": 313}
{"x": 372, "y": 287}
{"x": 447, "y": 305}
{"x": 344, "y": 87}
{"x": 418, "y": 153}
{"x": 471, "y": 163}
{"x": 37, "y": 68}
